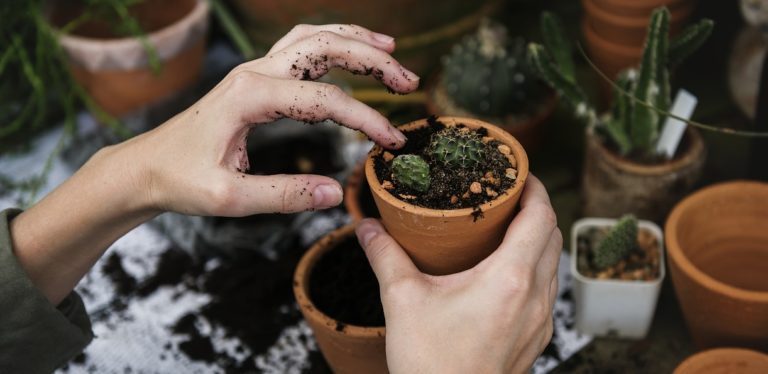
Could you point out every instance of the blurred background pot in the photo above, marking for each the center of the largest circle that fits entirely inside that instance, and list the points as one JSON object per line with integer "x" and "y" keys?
{"x": 725, "y": 361}
{"x": 347, "y": 348}
{"x": 116, "y": 70}
{"x": 452, "y": 240}
{"x": 717, "y": 245}
{"x": 357, "y": 195}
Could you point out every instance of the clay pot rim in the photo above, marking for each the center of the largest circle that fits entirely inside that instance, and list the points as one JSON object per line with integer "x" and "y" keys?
{"x": 694, "y": 151}
{"x": 200, "y": 10}
{"x": 493, "y": 131}
{"x": 600, "y": 42}
{"x": 578, "y": 226}
{"x": 594, "y": 10}
{"x": 675, "y": 252}
{"x": 545, "y": 111}
{"x": 301, "y": 285}
{"x": 719, "y": 355}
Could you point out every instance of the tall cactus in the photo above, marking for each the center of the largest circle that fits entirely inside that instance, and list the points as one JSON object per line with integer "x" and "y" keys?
{"x": 633, "y": 124}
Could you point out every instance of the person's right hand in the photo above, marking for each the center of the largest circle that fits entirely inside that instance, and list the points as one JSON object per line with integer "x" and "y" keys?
{"x": 493, "y": 318}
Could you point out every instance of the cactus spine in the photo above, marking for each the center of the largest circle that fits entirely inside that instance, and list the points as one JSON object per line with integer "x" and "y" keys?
{"x": 456, "y": 147}
{"x": 411, "y": 171}
{"x": 615, "y": 246}
{"x": 488, "y": 73}
{"x": 633, "y": 125}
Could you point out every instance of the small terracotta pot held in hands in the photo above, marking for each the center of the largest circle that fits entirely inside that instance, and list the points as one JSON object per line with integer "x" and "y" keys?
{"x": 449, "y": 241}
{"x": 717, "y": 247}
{"x": 354, "y": 349}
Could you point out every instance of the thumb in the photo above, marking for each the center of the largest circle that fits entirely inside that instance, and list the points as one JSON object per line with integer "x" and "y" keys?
{"x": 285, "y": 193}
{"x": 386, "y": 257}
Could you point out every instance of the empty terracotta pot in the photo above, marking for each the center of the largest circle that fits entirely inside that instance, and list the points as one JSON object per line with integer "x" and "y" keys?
{"x": 611, "y": 58}
{"x": 717, "y": 247}
{"x": 350, "y": 349}
{"x": 613, "y": 185}
{"x": 449, "y": 241}
{"x": 623, "y": 24}
{"x": 725, "y": 361}
{"x": 115, "y": 71}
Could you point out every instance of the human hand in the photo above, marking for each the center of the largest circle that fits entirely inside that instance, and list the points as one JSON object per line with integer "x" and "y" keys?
{"x": 493, "y": 318}
{"x": 195, "y": 163}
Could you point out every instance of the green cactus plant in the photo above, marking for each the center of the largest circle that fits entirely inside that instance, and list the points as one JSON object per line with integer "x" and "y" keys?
{"x": 617, "y": 244}
{"x": 454, "y": 147}
{"x": 634, "y": 123}
{"x": 488, "y": 73}
{"x": 411, "y": 171}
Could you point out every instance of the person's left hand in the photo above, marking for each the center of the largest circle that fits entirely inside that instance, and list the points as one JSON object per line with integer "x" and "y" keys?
{"x": 195, "y": 163}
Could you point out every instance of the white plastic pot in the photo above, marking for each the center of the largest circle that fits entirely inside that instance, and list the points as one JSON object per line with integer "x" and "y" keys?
{"x": 611, "y": 306}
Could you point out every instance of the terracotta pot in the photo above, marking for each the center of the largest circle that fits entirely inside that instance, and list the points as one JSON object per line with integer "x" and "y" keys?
{"x": 449, "y": 241}
{"x": 353, "y": 349}
{"x": 613, "y": 186}
{"x": 724, "y": 361}
{"x": 526, "y": 130}
{"x": 610, "y": 20}
{"x": 116, "y": 72}
{"x": 358, "y": 199}
{"x": 423, "y": 29}
{"x": 639, "y": 8}
{"x": 610, "y": 58}
{"x": 605, "y": 307}
{"x": 717, "y": 243}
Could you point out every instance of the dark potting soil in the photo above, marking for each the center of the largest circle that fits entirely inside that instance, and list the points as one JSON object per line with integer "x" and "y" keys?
{"x": 343, "y": 286}
{"x": 448, "y": 182}
{"x": 124, "y": 283}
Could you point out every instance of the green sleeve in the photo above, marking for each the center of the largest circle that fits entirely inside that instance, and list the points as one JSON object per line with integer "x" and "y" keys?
{"x": 35, "y": 336}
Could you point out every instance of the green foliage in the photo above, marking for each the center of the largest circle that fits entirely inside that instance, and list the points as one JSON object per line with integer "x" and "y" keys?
{"x": 411, "y": 171}
{"x": 456, "y": 147}
{"x": 633, "y": 125}
{"x": 617, "y": 244}
{"x": 488, "y": 74}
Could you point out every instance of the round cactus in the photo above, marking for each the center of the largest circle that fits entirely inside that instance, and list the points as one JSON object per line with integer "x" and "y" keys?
{"x": 411, "y": 171}
{"x": 454, "y": 147}
{"x": 488, "y": 74}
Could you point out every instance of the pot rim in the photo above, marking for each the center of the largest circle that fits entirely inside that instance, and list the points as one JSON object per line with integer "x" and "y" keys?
{"x": 694, "y": 151}
{"x": 675, "y": 252}
{"x": 301, "y": 286}
{"x": 493, "y": 131}
{"x": 720, "y": 355}
{"x": 582, "y": 223}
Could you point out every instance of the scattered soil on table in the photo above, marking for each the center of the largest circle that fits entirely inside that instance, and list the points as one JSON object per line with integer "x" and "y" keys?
{"x": 450, "y": 186}
{"x": 124, "y": 283}
{"x": 343, "y": 286}
{"x": 641, "y": 264}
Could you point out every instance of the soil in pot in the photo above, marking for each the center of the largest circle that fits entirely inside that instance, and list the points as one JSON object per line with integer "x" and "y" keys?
{"x": 450, "y": 187}
{"x": 641, "y": 264}
{"x": 343, "y": 286}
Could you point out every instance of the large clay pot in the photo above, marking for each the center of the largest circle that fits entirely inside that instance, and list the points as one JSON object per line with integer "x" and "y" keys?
{"x": 115, "y": 71}
{"x": 348, "y": 350}
{"x": 422, "y": 29}
{"x": 717, "y": 246}
{"x": 613, "y": 185}
{"x": 527, "y": 130}
{"x": 449, "y": 241}
{"x": 724, "y": 361}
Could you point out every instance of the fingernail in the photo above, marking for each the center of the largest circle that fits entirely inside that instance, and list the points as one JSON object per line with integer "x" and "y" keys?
{"x": 326, "y": 196}
{"x": 384, "y": 39}
{"x": 398, "y": 135}
{"x": 366, "y": 231}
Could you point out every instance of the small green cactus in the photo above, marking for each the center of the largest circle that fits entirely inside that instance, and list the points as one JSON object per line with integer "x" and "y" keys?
{"x": 634, "y": 123}
{"x": 455, "y": 147}
{"x": 411, "y": 171}
{"x": 488, "y": 74}
{"x": 615, "y": 246}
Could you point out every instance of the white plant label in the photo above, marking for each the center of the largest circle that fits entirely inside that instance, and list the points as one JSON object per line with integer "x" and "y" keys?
{"x": 673, "y": 129}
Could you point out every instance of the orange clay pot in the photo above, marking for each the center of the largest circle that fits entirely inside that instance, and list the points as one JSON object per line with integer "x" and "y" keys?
{"x": 613, "y": 185}
{"x": 725, "y": 361}
{"x": 717, "y": 248}
{"x": 612, "y": 20}
{"x": 354, "y": 349}
{"x": 609, "y": 57}
{"x": 526, "y": 130}
{"x": 177, "y": 30}
{"x": 449, "y": 241}
{"x": 357, "y": 195}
